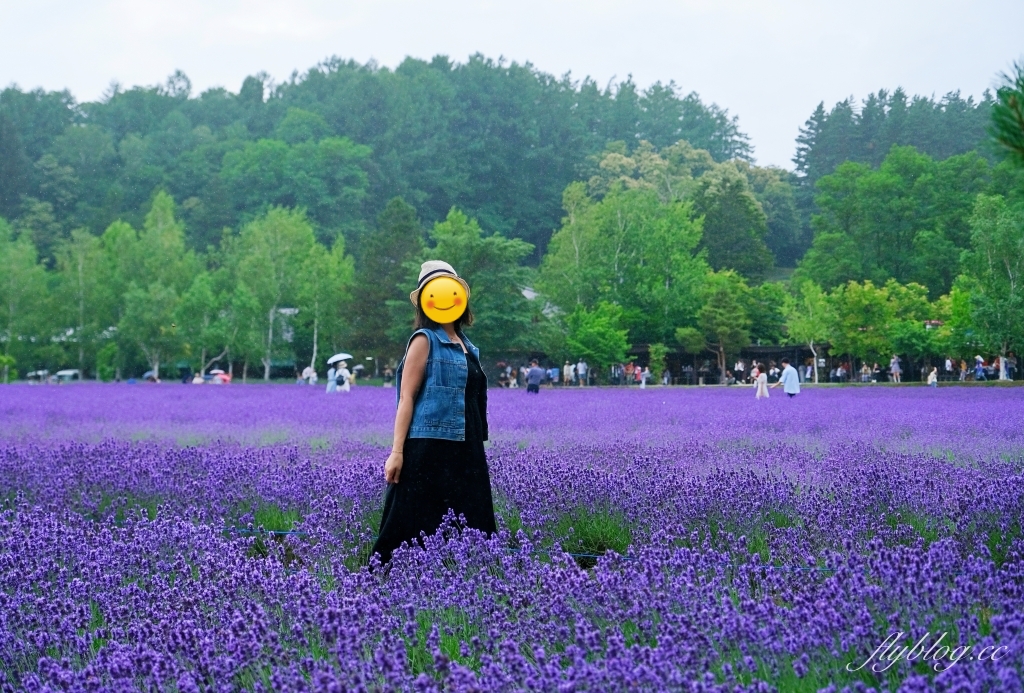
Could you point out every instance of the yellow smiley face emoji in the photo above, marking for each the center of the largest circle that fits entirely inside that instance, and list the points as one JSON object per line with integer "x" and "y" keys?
{"x": 443, "y": 300}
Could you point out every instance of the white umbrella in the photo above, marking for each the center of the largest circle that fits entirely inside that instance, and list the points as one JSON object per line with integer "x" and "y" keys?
{"x": 216, "y": 371}
{"x": 339, "y": 357}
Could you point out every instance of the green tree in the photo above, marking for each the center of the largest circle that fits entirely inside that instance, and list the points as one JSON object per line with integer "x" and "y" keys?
{"x": 84, "y": 292}
{"x": 906, "y": 220}
{"x": 323, "y": 294}
{"x": 595, "y": 335}
{"x": 267, "y": 257}
{"x": 735, "y": 225}
{"x": 629, "y": 249}
{"x": 326, "y": 178}
{"x": 492, "y": 267}
{"x": 723, "y": 323}
{"x": 863, "y": 314}
{"x": 810, "y": 318}
{"x": 23, "y": 292}
{"x": 202, "y": 321}
{"x": 149, "y": 322}
{"x": 1008, "y": 113}
{"x": 658, "y": 352}
{"x": 995, "y": 262}
{"x": 382, "y": 276}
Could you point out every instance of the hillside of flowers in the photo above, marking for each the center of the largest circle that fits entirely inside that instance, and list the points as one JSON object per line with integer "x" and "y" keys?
{"x": 165, "y": 537}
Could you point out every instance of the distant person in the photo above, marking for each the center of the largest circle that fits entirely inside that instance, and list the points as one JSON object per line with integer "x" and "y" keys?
{"x": 534, "y": 377}
{"x": 644, "y": 377}
{"x": 197, "y": 379}
{"x": 568, "y": 374}
{"x": 389, "y": 377}
{"x": 876, "y": 372}
{"x": 865, "y": 373}
{"x": 979, "y": 368}
{"x": 332, "y": 379}
{"x": 895, "y": 371}
{"x": 963, "y": 370}
{"x": 789, "y": 380}
{"x": 582, "y": 370}
{"x": 553, "y": 376}
{"x": 933, "y": 377}
{"x": 344, "y": 382}
{"x": 760, "y": 381}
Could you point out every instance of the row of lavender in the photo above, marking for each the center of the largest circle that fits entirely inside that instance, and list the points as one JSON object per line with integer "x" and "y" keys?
{"x": 739, "y": 561}
{"x": 968, "y": 423}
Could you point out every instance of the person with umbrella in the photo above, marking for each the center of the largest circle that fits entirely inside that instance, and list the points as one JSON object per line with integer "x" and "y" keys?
{"x": 338, "y": 372}
{"x": 437, "y": 461}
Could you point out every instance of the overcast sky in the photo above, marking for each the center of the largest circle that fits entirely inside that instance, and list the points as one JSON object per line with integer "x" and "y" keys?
{"x": 769, "y": 62}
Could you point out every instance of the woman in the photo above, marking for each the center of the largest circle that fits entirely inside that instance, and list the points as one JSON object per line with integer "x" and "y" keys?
{"x": 761, "y": 382}
{"x": 344, "y": 377}
{"x": 895, "y": 371}
{"x": 437, "y": 459}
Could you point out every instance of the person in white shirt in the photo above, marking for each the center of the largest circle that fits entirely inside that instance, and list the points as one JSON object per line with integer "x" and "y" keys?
{"x": 344, "y": 376}
{"x": 789, "y": 380}
{"x": 581, "y": 372}
{"x": 568, "y": 374}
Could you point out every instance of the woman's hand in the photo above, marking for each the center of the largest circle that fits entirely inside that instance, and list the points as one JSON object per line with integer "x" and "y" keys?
{"x": 393, "y": 467}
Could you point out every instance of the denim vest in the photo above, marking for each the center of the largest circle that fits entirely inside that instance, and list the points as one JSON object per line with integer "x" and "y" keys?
{"x": 440, "y": 407}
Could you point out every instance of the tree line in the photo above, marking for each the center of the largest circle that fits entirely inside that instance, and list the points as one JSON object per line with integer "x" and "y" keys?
{"x": 274, "y": 225}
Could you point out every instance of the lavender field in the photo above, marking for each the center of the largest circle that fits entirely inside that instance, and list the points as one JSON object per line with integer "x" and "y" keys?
{"x": 179, "y": 538}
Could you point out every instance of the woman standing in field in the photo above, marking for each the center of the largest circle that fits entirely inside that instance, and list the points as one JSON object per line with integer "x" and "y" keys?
{"x": 761, "y": 382}
{"x": 437, "y": 459}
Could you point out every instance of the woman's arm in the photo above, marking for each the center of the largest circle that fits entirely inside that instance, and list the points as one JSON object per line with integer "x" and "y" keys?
{"x": 412, "y": 378}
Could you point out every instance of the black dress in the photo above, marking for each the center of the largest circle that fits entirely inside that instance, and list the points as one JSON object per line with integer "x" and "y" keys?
{"x": 441, "y": 474}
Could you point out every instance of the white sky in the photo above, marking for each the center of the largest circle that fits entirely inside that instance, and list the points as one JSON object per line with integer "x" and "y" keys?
{"x": 769, "y": 62}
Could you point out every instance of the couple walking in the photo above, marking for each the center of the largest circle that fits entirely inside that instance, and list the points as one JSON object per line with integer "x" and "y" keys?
{"x": 789, "y": 380}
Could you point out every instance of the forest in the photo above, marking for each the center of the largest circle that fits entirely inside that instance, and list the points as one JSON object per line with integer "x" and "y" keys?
{"x": 267, "y": 228}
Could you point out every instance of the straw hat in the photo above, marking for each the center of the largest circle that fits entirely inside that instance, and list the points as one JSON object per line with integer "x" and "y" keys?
{"x": 431, "y": 269}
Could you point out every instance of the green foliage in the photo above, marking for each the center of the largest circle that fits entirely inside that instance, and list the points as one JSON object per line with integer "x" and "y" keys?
{"x": 106, "y": 362}
{"x": 995, "y": 263}
{"x": 325, "y": 178}
{"x": 810, "y": 318}
{"x": 324, "y": 299}
{"x": 629, "y": 249}
{"x": 499, "y": 140}
{"x": 267, "y": 258}
{"x": 382, "y": 277}
{"x": 492, "y": 267}
{"x": 658, "y": 352}
{"x": 723, "y": 322}
{"x": 596, "y": 335}
{"x": 873, "y": 322}
{"x": 906, "y": 220}
{"x": 1008, "y": 113}
{"x": 940, "y": 128}
{"x": 735, "y": 225}
{"x": 22, "y": 295}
